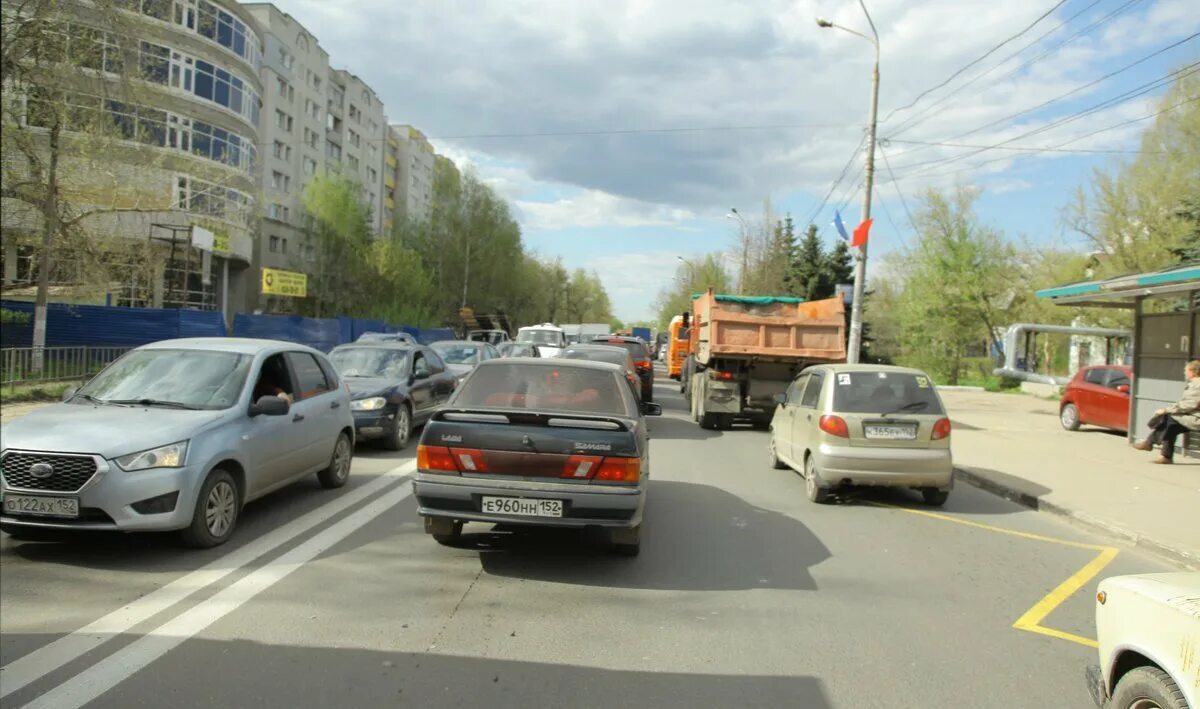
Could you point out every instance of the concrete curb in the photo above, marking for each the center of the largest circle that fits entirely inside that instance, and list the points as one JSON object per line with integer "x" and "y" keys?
{"x": 1188, "y": 558}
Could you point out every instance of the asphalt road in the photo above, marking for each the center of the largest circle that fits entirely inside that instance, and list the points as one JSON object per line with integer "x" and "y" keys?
{"x": 745, "y": 595}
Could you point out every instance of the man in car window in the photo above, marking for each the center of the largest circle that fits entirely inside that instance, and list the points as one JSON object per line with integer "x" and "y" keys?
{"x": 269, "y": 381}
{"x": 1180, "y": 417}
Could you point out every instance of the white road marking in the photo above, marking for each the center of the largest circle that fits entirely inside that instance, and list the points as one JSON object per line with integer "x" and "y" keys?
{"x": 30, "y": 668}
{"x": 116, "y": 668}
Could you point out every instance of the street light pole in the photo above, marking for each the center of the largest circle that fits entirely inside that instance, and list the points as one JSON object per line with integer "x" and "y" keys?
{"x": 860, "y": 268}
{"x": 735, "y": 214}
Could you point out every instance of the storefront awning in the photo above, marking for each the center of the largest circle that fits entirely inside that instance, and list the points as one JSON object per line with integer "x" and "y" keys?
{"x": 1122, "y": 291}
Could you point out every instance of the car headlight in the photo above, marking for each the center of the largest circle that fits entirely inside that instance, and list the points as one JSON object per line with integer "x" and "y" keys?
{"x": 170, "y": 456}
{"x": 374, "y": 403}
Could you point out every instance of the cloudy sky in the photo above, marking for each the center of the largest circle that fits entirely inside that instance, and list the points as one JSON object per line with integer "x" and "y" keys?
{"x": 623, "y": 130}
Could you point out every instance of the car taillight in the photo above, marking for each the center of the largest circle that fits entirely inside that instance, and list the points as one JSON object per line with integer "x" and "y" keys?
{"x": 723, "y": 376}
{"x": 621, "y": 470}
{"x": 644, "y": 365}
{"x": 941, "y": 429}
{"x": 436, "y": 459}
{"x": 835, "y": 426}
{"x": 469, "y": 460}
{"x": 581, "y": 466}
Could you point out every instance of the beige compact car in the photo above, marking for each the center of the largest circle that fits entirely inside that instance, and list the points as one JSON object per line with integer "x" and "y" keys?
{"x": 845, "y": 425}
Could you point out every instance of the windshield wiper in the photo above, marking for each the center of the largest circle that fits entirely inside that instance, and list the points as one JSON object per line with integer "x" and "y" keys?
{"x": 89, "y": 397}
{"x": 914, "y": 406}
{"x": 154, "y": 402}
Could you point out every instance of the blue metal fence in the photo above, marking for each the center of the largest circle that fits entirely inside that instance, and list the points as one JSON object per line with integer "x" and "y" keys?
{"x": 93, "y": 325}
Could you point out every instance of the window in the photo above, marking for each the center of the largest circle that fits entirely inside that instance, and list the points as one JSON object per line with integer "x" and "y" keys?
{"x": 1116, "y": 378}
{"x": 310, "y": 166}
{"x": 285, "y": 58}
{"x": 278, "y": 212}
{"x": 220, "y": 87}
{"x": 337, "y": 97}
{"x": 796, "y": 390}
{"x": 309, "y": 375}
{"x": 355, "y": 139}
{"x": 285, "y": 89}
{"x": 333, "y": 151}
{"x": 274, "y": 244}
{"x": 283, "y": 120}
{"x": 310, "y": 138}
{"x": 372, "y": 174}
{"x": 213, "y": 200}
{"x": 312, "y": 108}
{"x": 878, "y": 393}
{"x": 154, "y": 61}
{"x": 217, "y": 25}
{"x": 812, "y": 392}
{"x": 283, "y": 151}
{"x": 283, "y": 246}
{"x": 280, "y": 181}
{"x": 355, "y": 114}
{"x": 352, "y": 161}
{"x": 1095, "y": 376}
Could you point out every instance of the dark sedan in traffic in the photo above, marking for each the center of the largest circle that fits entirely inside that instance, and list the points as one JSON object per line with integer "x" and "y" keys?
{"x": 550, "y": 442}
{"x": 394, "y": 387}
{"x": 641, "y": 359}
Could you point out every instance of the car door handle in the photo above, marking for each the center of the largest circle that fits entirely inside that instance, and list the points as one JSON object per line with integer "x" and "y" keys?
{"x": 336, "y": 405}
{"x": 297, "y": 418}
{"x": 809, "y": 417}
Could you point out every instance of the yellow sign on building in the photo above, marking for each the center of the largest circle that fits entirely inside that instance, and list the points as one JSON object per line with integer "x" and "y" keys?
{"x": 279, "y": 282}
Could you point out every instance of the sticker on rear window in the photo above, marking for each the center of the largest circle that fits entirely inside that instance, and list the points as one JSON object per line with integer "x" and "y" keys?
{"x": 922, "y": 382}
{"x": 883, "y": 375}
{"x": 844, "y": 380}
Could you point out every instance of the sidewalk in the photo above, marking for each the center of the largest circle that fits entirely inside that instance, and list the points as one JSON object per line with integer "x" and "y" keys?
{"x": 10, "y": 412}
{"x": 1013, "y": 445}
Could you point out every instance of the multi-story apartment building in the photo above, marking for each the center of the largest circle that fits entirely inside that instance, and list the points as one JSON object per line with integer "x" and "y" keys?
{"x": 180, "y": 82}
{"x": 295, "y": 77}
{"x": 355, "y": 138}
{"x": 413, "y": 158}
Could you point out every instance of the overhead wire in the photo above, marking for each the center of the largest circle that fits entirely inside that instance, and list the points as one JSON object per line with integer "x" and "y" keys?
{"x": 837, "y": 182}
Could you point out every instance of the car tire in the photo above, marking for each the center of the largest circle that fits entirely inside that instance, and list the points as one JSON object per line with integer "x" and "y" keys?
{"x": 402, "y": 431}
{"x": 627, "y": 542}
{"x": 218, "y": 507}
{"x": 443, "y": 530}
{"x": 338, "y": 471}
{"x": 1143, "y": 685}
{"x": 812, "y": 489}
{"x": 776, "y": 463}
{"x": 1069, "y": 417}
{"x": 935, "y": 497}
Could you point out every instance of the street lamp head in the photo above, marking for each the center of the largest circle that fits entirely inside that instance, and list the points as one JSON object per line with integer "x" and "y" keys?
{"x": 822, "y": 22}
{"x": 733, "y": 210}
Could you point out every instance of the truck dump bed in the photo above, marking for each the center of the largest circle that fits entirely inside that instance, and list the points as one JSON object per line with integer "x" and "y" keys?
{"x": 766, "y": 327}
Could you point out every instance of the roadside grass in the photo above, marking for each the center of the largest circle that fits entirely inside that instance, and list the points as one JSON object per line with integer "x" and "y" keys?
{"x": 42, "y": 391}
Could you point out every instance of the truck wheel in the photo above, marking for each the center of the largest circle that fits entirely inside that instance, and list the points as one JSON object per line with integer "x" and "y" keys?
{"x": 1147, "y": 687}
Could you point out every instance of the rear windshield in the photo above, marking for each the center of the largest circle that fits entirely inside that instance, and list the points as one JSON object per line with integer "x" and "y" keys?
{"x": 538, "y": 388}
{"x": 599, "y": 354}
{"x": 884, "y": 393}
{"x": 635, "y": 349}
{"x": 457, "y": 354}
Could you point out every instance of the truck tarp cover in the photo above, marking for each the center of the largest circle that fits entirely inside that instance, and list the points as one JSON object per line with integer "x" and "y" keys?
{"x": 753, "y": 299}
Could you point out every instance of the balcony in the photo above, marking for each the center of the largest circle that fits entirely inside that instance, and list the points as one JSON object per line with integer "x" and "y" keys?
{"x": 390, "y": 160}
{"x": 389, "y": 181}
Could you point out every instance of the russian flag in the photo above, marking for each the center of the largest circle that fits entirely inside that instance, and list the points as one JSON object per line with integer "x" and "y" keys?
{"x": 841, "y": 228}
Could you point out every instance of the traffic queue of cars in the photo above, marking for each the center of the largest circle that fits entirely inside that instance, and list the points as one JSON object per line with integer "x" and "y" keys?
{"x": 179, "y": 435}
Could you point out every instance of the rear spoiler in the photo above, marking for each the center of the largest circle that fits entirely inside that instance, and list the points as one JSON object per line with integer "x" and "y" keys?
{"x": 521, "y": 416}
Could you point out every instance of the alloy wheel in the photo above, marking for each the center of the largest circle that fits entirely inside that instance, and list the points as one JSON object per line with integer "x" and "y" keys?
{"x": 219, "y": 509}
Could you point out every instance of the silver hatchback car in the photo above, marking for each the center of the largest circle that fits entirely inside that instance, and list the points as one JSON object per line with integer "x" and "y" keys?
{"x": 177, "y": 435}
{"x": 845, "y": 425}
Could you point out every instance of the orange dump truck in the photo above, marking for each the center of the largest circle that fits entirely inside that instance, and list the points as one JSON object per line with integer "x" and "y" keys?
{"x": 746, "y": 349}
{"x": 678, "y": 346}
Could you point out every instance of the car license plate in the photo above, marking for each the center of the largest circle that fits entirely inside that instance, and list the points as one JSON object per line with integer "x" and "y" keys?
{"x": 523, "y": 507}
{"x": 905, "y": 432}
{"x": 45, "y": 506}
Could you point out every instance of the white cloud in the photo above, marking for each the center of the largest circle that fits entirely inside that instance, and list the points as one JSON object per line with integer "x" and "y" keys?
{"x": 593, "y": 208}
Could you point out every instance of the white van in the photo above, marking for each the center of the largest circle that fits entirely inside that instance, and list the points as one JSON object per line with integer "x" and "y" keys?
{"x": 549, "y": 338}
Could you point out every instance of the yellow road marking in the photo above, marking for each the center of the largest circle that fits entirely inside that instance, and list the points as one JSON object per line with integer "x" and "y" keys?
{"x": 1031, "y": 620}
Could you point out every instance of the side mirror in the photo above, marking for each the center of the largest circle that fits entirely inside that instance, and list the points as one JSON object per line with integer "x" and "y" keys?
{"x": 649, "y": 408}
{"x": 781, "y": 399}
{"x": 1123, "y": 388}
{"x": 270, "y": 406}
{"x": 421, "y": 374}
{"x": 69, "y": 393}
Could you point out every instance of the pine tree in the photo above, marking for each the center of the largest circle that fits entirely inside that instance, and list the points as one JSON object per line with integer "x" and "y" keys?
{"x": 808, "y": 266}
{"x": 839, "y": 268}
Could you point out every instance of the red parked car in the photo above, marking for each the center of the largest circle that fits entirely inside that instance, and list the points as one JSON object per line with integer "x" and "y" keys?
{"x": 1097, "y": 396}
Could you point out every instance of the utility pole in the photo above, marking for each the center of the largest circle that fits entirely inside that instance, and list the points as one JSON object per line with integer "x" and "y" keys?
{"x": 745, "y": 239}
{"x": 854, "y": 348}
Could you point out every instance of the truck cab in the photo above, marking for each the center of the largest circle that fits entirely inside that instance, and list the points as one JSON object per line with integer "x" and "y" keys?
{"x": 548, "y": 337}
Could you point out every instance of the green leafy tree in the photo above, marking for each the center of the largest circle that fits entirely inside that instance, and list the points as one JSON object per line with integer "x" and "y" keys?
{"x": 693, "y": 276}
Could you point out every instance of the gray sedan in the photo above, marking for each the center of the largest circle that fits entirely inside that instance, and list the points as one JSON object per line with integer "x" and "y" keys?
{"x": 177, "y": 435}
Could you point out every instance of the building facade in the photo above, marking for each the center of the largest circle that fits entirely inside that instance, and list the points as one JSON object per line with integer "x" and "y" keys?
{"x": 179, "y": 82}
{"x": 413, "y": 172}
{"x": 357, "y": 138}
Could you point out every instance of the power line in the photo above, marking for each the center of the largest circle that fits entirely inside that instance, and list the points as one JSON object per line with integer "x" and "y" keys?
{"x": 1025, "y": 148}
{"x": 837, "y": 182}
{"x": 915, "y": 120}
{"x": 1060, "y": 97}
{"x": 985, "y": 55}
{"x": 912, "y": 222}
{"x": 1108, "y": 103}
{"x": 888, "y": 213}
{"x": 1073, "y": 140}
